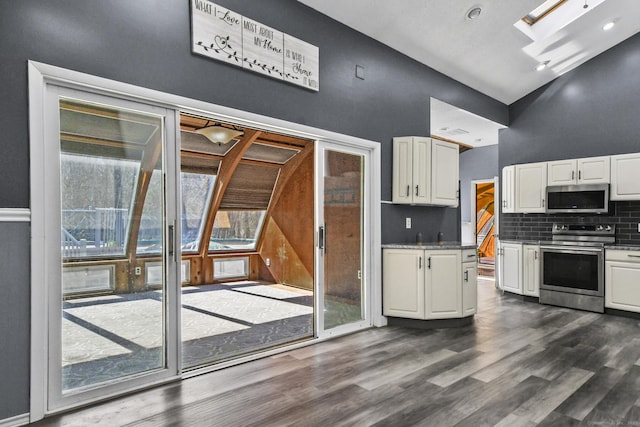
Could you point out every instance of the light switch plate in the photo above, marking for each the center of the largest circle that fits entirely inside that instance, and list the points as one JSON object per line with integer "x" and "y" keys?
{"x": 407, "y": 223}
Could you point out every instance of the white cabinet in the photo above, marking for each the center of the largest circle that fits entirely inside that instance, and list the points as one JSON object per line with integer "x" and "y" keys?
{"x": 508, "y": 189}
{"x": 429, "y": 284}
{"x": 531, "y": 270}
{"x": 469, "y": 283}
{"x": 403, "y": 278}
{"x": 511, "y": 267}
{"x": 625, "y": 177}
{"x": 594, "y": 170}
{"x": 622, "y": 280}
{"x": 590, "y": 170}
{"x": 443, "y": 290}
{"x": 531, "y": 185}
{"x": 425, "y": 171}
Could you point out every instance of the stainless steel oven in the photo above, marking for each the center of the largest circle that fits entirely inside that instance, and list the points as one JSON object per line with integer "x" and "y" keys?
{"x": 572, "y": 266}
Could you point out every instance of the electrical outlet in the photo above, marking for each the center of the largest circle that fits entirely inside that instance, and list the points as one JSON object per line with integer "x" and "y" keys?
{"x": 268, "y": 262}
{"x": 639, "y": 227}
{"x": 138, "y": 271}
{"x": 407, "y": 222}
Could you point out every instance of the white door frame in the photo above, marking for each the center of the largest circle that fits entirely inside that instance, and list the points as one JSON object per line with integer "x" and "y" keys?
{"x": 40, "y": 75}
{"x": 496, "y": 215}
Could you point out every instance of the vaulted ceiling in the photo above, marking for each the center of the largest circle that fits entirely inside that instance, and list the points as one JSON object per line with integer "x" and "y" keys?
{"x": 489, "y": 53}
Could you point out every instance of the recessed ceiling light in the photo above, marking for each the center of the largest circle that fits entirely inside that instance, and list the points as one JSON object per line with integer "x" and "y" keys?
{"x": 474, "y": 12}
{"x": 541, "y": 66}
{"x": 608, "y": 26}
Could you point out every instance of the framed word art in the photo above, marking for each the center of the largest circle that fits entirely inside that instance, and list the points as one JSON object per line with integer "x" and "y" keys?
{"x": 222, "y": 34}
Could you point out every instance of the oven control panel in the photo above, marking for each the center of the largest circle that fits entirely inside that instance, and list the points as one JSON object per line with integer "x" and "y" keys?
{"x": 584, "y": 229}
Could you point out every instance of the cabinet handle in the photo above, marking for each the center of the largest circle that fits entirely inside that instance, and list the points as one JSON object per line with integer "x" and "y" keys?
{"x": 535, "y": 255}
{"x": 416, "y": 190}
{"x": 573, "y": 175}
{"x": 429, "y": 263}
{"x": 471, "y": 256}
{"x": 633, "y": 256}
{"x": 408, "y": 189}
{"x": 419, "y": 263}
{"x": 543, "y": 203}
{"x": 579, "y": 175}
{"x": 466, "y": 276}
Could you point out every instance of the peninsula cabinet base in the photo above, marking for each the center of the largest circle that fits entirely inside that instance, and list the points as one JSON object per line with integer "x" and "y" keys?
{"x": 430, "y": 324}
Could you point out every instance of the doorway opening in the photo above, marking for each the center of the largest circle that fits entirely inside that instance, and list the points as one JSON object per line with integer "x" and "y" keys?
{"x": 484, "y": 196}
{"x": 246, "y": 238}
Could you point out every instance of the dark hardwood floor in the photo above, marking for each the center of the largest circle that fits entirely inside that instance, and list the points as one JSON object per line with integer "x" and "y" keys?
{"x": 519, "y": 364}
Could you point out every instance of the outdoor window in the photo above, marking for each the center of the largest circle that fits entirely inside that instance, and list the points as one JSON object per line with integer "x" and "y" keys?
{"x": 96, "y": 199}
{"x": 196, "y": 193}
{"x": 236, "y": 230}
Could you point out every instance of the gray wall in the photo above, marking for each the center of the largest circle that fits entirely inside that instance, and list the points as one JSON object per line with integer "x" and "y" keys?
{"x": 591, "y": 111}
{"x": 147, "y": 43}
{"x": 14, "y": 318}
{"x": 476, "y": 164}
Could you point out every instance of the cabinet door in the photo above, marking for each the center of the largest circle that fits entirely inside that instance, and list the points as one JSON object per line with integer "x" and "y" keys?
{"x": 402, "y": 170}
{"x": 444, "y": 173}
{"x": 421, "y": 189}
{"x": 508, "y": 189}
{"x": 531, "y": 270}
{"x": 443, "y": 288}
{"x": 622, "y": 285}
{"x": 403, "y": 283}
{"x": 625, "y": 177}
{"x": 511, "y": 267}
{"x": 562, "y": 172}
{"x": 531, "y": 184}
{"x": 594, "y": 170}
{"x": 469, "y": 288}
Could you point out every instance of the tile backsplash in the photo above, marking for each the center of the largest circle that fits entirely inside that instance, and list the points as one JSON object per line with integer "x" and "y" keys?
{"x": 625, "y": 215}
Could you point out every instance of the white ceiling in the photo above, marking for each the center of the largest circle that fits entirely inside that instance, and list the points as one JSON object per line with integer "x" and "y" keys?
{"x": 450, "y": 122}
{"x": 488, "y": 54}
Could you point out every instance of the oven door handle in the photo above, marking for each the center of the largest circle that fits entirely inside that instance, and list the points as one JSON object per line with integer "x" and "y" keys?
{"x": 561, "y": 248}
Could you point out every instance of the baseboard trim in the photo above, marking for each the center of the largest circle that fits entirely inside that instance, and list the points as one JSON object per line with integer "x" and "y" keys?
{"x": 15, "y": 215}
{"x": 18, "y": 420}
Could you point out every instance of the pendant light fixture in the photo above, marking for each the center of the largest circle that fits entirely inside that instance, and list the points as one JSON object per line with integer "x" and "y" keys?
{"x": 219, "y": 134}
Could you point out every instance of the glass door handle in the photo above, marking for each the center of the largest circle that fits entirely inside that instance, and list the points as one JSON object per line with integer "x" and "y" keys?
{"x": 322, "y": 238}
{"x": 171, "y": 242}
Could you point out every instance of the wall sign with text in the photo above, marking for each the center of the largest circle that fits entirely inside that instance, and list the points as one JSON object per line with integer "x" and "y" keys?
{"x": 222, "y": 34}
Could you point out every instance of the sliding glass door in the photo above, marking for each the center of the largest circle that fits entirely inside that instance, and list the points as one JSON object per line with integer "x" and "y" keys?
{"x": 342, "y": 223}
{"x": 112, "y": 292}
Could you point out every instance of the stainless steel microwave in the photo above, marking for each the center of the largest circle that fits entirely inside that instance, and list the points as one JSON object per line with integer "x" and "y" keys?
{"x": 589, "y": 198}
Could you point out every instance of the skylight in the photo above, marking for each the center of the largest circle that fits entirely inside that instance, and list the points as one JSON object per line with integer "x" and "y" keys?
{"x": 543, "y": 10}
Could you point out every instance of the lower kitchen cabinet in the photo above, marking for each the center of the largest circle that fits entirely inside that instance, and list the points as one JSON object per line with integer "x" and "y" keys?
{"x": 531, "y": 270}
{"x": 469, "y": 283}
{"x": 520, "y": 268}
{"x": 403, "y": 283}
{"x": 443, "y": 287}
{"x": 622, "y": 280}
{"x": 511, "y": 267}
{"x": 428, "y": 284}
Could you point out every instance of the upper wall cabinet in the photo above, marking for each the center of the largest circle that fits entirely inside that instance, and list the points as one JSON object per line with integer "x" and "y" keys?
{"x": 625, "y": 177}
{"x": 425, "y": 171}
{"x": 592, "y": 170}
{"x": 531, "y": 185}
{"x": 509, "y": 189}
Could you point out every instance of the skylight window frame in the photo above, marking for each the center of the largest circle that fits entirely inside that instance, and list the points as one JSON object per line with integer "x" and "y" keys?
{"x": 531, "y": 18}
